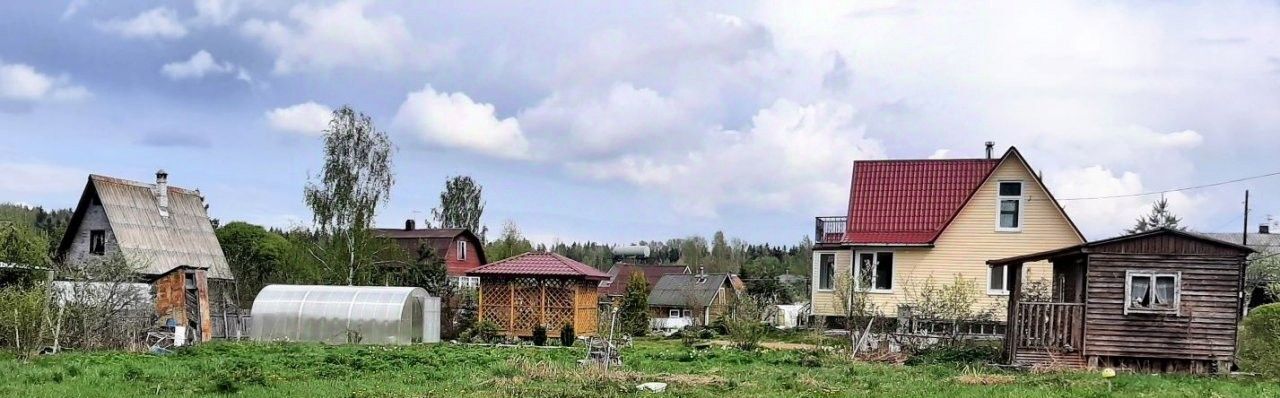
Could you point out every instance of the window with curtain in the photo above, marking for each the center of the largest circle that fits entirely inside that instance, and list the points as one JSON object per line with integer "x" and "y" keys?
{"x": 826, "y": 270}
{"x": 1152, "y": 292}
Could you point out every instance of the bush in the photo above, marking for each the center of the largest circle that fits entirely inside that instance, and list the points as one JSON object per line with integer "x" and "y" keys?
{"x": 540, "y": 335}
{"x": 486, "y": 332}
{"x": 1260, "y": 341}
{"x": 567, "y": 335}
{"x": 963, "y": 352}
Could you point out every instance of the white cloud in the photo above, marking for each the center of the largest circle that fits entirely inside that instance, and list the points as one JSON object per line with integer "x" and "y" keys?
{"x": 73, "y": 7}
{"x": 622, "y": 119}
{"x": 200, "y": 64}
{"x": 216, "y": 12}
{"x": 156, "y": 23}
{"x": 25, "y": 179}
{"x": 454, "y": 120}
{"x": 23, "y": 84}
{"x": 793, "y": 157}
{"x": 1100, "y": 218}
{"x": 941, "y": 154}
{"x": 308, "y": 118}
{"x": 342, "y": 35}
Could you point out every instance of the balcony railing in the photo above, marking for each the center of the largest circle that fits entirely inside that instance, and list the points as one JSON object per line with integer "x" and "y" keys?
{"x": 829, "y": 229}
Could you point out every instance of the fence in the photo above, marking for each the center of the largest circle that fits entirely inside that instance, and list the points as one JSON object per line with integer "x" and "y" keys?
{"x": 231, "y": 325}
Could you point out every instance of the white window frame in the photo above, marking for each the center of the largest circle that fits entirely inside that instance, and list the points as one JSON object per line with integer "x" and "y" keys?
{"x": 673, "y": 313}
{"x": 468, "y": 282}
{"x": 1004, "y": 277}
{"x": 1022, "y": 204}
{"x": 817, "y": 270}
{"x": 857, "y": 271}
{"x": 462, "y": 250}
{"x": 1177, "y": 292}
{"x": 687, "y": 313}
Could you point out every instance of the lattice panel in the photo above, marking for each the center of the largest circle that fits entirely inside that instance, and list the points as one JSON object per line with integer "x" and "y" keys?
{"x": 559, "y": 305}
{"x": 528, "y": 305}
{"x": 495, "y": 302}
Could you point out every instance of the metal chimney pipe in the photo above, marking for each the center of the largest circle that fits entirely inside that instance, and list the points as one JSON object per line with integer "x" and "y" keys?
{"x": 991, "y": 147}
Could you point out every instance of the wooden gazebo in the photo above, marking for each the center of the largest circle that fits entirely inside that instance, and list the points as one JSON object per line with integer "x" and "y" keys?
{"x": 1157, "y": 301}
{"x": 539, "y": 288}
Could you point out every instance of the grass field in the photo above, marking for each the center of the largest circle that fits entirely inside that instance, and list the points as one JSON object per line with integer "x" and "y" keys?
{"x": 287, "y": 370}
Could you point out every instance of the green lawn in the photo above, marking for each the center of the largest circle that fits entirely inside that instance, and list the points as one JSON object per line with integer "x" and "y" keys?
{"x": 280, "y": 370}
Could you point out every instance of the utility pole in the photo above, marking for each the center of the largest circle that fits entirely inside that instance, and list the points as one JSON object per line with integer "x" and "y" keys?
{"x": 1244, "y": 235}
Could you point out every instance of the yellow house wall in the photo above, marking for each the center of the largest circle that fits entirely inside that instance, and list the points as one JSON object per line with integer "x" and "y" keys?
{"x": 964, "y": 247}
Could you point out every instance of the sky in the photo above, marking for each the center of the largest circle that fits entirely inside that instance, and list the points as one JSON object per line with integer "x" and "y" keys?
{"x": 627, "y": 121}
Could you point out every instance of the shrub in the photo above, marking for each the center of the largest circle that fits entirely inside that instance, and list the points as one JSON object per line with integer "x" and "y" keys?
{"x": 964, "y": 352}
{"x": 567, "y": 335}
{"x": 486, "y": 331}
{"x": 1260, "y": 341}
{"x": 540, "y": 335}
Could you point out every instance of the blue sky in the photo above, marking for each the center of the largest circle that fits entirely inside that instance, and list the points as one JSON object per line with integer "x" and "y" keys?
{"x": 624, "y": 121}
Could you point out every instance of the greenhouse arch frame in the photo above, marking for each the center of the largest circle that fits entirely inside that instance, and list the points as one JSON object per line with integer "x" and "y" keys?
{"x": 345, "y": 314}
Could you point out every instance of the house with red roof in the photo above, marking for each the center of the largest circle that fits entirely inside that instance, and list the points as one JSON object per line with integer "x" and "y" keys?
{"x": 460, "y": 249}
{"x": 916, "y": 223}
{"x": 538, "y": 288}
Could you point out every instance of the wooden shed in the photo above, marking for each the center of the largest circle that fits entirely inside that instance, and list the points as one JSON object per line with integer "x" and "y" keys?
{"x": 539, "y": 288}
{"x": 1157, "y": 301}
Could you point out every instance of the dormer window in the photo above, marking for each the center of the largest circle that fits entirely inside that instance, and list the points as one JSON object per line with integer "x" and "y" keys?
{"x": 1009, "y": 206}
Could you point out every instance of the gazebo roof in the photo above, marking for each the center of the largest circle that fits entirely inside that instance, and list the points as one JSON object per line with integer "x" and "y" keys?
{"x": 539, "y": 264}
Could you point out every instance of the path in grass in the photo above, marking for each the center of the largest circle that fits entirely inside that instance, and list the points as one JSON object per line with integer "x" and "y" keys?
{"x": 284, "y": 370}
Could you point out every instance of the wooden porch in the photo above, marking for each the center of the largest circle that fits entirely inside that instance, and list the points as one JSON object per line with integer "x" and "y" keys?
{"x": 1047, "y": 333}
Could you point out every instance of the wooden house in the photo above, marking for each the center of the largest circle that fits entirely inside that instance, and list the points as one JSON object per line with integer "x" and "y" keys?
{"x": 620, "y": 275}
{"x": 679, "y": 300}
{"x": 1163, "y": 300}
{"x": 916, "y": 222}
{"x": 164, "y": 233}
{"x": 539, "y": 288}
{"x": 461, "y": 250}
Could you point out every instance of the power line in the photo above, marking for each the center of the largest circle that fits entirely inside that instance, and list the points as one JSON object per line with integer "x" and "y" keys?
{"x": 1174, "y": 190}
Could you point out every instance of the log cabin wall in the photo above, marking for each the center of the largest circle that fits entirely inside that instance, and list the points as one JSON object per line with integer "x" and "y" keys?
{"x": 1201, "y": 333}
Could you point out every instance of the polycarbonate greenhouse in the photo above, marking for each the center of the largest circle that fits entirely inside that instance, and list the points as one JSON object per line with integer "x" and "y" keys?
{"x": 345, "y": 314}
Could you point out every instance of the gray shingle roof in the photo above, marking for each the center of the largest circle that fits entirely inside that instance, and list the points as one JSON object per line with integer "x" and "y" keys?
{"x": 681, "y": 290}
{"x": 159, "y": 244}
{"x": 1263, "y": 243}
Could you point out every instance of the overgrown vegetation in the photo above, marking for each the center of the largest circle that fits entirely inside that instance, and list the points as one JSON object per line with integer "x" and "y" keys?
{"x": 633, "y": 313}
{"x": 1260, "y": 341}
{"x": 280, "y": 370}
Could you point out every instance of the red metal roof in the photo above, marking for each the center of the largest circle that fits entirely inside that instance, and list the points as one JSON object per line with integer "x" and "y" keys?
{"x": 910, "y": 201}
{"x": 539, "y": 264}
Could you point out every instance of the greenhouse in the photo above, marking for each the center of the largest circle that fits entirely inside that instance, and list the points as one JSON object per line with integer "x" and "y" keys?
{"x": 345, "y": 314}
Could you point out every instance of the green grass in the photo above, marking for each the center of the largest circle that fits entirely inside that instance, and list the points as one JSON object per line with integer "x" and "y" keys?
{"x": 283, "y": 370}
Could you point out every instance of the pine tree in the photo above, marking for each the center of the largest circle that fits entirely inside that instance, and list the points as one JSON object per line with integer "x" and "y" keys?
{"x": 1160, "y": 217}
{"x": 634, "y": 311}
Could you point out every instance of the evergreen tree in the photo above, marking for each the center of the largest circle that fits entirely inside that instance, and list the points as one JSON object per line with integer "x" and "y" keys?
{"x": 461, "y": 206}
{"x": 1160, "y": 217}
{"x": 633, "y": 313}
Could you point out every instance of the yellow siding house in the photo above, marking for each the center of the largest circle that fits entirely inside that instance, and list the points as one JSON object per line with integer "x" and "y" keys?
{"x": 912, "y": 222}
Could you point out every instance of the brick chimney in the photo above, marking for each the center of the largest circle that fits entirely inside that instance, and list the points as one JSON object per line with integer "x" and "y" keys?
{"x": 162, "y": 191}
{"x": 409, "y": 225}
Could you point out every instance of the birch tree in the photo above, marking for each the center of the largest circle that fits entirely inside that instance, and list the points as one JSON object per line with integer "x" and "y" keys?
{"x": 461, "y": 206}
{"x": 356, "y": 178}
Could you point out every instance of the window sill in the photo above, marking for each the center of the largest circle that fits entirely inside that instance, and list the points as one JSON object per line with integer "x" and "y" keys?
{"x": 1135, "y": 311}
{"x": 878, "y": 291}
{"x": 1009, "y": 230}
{"x": 997, "y": 292}
{"x": 820, "y": 290}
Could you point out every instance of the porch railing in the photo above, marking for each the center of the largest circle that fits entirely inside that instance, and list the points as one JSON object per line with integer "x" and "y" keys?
{"x": 1049, "y": 326}
{"x": 829, "y": 229}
